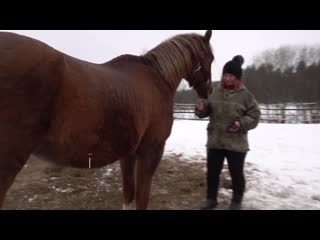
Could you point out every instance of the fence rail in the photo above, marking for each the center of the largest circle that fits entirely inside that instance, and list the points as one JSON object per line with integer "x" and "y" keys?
{"x": 275, "y": 113}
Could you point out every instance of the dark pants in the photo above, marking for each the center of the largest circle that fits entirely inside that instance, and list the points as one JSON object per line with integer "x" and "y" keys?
{"x": 215, "y": 159}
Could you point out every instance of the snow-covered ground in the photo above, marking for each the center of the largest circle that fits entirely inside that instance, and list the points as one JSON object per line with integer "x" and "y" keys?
{"x": 283, "y": 170}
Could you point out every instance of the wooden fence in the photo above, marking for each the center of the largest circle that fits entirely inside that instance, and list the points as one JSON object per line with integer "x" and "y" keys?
{"x": 273, "y": 113}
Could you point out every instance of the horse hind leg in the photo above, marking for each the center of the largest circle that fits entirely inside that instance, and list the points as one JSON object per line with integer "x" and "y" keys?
{"x": 10, "y": 166}
{"x": 148, "y": 160}
{"x": 13, "y": 157}
{"x": 127, "y": 165}
{"x": 16, "y": 145}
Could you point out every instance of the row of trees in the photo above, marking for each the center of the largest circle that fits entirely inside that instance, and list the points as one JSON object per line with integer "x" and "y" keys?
{"x": 285, "y": 74}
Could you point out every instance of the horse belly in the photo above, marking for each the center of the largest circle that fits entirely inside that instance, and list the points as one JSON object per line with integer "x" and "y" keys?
{"x": 76, "y": 156}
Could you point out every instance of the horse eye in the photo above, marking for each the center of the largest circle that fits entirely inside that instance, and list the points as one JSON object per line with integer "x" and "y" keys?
{"x": 198, "y": 67}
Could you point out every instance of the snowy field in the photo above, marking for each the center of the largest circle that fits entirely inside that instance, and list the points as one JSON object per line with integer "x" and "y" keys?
{"x": 283, "y": 165}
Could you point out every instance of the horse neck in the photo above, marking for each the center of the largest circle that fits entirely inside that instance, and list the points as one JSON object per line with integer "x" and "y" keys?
{"x": 172, "y": 78}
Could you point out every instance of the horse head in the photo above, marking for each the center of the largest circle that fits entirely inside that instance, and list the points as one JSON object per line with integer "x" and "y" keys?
{"x": 200, "y": 76}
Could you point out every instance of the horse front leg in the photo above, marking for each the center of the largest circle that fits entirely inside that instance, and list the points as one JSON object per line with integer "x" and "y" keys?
{"x": 147, "y": 163}
{"x": 127, "y": 165}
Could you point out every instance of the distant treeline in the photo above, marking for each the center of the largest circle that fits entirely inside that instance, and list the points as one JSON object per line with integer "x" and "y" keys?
{"x": 286, "y": 74}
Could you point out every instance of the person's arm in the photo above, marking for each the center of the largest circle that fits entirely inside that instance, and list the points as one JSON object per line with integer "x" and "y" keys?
{"x": 203, "y": 108}
{"x": 252, "y": 116}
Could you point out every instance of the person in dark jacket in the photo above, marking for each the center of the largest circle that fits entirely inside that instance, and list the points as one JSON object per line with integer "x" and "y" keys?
{"x": 233, "y": 111}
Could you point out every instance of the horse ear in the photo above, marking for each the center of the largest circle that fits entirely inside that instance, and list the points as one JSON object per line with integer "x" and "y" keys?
{"x": 208, "y": 35}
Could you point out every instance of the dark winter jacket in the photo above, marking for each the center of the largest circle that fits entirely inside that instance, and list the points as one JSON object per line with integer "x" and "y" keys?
{"x": 224, "y": 107}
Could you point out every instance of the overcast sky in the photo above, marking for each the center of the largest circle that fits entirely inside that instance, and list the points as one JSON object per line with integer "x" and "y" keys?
{"x": 103, "y": 45}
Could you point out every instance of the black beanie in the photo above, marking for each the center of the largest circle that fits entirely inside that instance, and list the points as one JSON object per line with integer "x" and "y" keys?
{"x": 234, "y": 66}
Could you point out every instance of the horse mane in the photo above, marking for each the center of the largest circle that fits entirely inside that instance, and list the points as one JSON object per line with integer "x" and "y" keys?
{"x": 175, "y": 57}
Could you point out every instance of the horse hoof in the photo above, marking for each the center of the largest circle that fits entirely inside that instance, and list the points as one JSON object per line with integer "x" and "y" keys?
{"x": 130, "y": 206}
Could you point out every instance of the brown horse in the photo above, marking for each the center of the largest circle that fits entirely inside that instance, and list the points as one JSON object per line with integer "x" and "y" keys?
{"x": 87, "y": 115}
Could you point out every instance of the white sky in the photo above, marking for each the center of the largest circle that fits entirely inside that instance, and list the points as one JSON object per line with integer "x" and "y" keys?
{"x": 102, "y": 45}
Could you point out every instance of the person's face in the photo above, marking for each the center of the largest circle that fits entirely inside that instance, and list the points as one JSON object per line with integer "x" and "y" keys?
{"x": 229, "y": 79}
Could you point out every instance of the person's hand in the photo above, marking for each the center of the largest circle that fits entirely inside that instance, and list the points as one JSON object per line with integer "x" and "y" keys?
{"x": 234, "y": 127}
{"x": 200, "y": 104}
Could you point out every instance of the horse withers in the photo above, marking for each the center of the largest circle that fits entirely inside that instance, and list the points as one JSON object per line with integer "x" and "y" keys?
{"x": 80, "y": 114}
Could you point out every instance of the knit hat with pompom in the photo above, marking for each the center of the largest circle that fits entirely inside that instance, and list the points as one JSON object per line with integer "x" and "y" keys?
{"x": 234, "y": 66}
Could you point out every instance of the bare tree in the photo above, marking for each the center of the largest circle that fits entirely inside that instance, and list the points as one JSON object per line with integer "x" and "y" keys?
{"x": 288, "y": 56}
